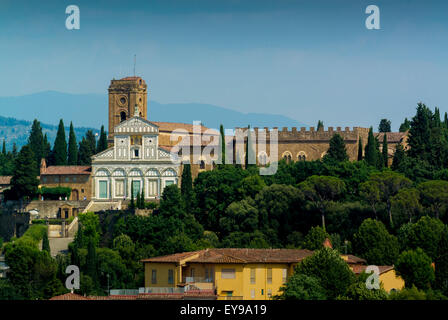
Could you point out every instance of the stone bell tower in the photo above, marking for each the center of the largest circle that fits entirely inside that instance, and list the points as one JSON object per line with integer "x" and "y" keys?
{"x": 125, "y": 95}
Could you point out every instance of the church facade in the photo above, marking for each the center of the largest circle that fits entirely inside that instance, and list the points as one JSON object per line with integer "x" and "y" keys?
{"x": 134, "y": 163}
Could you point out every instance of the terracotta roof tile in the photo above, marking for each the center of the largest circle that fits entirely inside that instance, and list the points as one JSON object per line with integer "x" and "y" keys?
{"x": 58, "y": 170}
{"x": 394, "y": 137}
{"x": 69, "y": 296}
{"x": 171, "y": 126}
{"x": 357, "y": 268}
{"x": 351, "y": 259}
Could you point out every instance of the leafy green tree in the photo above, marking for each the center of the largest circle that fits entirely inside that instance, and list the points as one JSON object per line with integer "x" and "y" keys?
{"x": 45, "y": 243}
{"x": 332, "y": 271}
{"x": 301, "y": 287}
{"x": 315, "y": 238}
{"x": 337, "y": 150}
{"x": 92, "y": 261}
{"x": 434, "y": 196}
{"x": 321, "y": 190}
{"x": 373, "y": 243}
{"x": 24, "y": 182}
{"x": 125, "y": 246}
{"x": 251, "y": 186}
{"x": 240, "y": 216}
{"x": 370, "y": 193}
{"x": 425, "y": 234}
{"x": 390, "y": 183}
{"x": 405, "y": 205}
{"x": 72, "y": 147}
{"x": 36, "y": 142}
{"x": 408, "y": 294}
{"x": 441, "y": 264}
{"x": 102, "y": 141}
{"x": 59, "y": 153}
{"x": 358, "y": 291}
{"x": 384, "y": 126}
{"x": 414, "y": 266}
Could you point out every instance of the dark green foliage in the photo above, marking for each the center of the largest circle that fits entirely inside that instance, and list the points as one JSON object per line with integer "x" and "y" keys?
{"x": 315, "y": 238}
{"x": 373, "y": 243}
{"x": 45, "y": 243}
{"x": 36, "y": 143}
{"x": 370, "y": 154}
{"x": 332, "y": 271}
{"x": 336, "y": 151}
{"x": 91, "y": 261}
{"x": 398, "y": 157}
{"x": 434, "y": 196}
{"x": 358, "y": 291}
{"x": 405, "y": 126}
{"x": 302, "y": 287}
{"x": 54, "y": 193}
{"x": 441, "y": 264}
{"x": 187, "y": 186}
{"x": 59, "y": 153}
{"x": 23, "y": 181}
{"x": 320, "y": 125}
{"x": 222, "y": 142}
{"x": 72, "y": 147}
{"x": 360, "y": 149}
{"x": 414, "y": 266}
{"x": 384, "y": 126}
{"x": 87, "y": 148}
{"x": 384, "y": 151}
{"x": 102, "y": 141}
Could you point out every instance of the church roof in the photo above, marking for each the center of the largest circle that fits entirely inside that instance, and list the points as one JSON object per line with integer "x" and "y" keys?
{"x": 62, "y": 170}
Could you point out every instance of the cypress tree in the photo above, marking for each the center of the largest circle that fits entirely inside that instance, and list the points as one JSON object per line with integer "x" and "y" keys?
{"x": 320, "y": 125}
{"x": 436, "y": 118}
{"x": 24, "y": 182}
{"x": 14, "y": 150}
{"x": 385, "y": 147}
{"x": 132, "y": 204}
{"x": 405, "y": 125}
{"x": 186, "y": 187}
{"x": 360, "y": 149}
{"x": 45, "y": 243}
{"x": 249, "y": 150}
{"x": 47, "y": 148}
{"x": 445, "y": 120}
{"x": 91, "y": 141}
{"x": 72, "y": 147}
{"x": 60, "y": 146}
{"x": 223, "y": 144}
{"x": 398, "y": 157}
{"x": 337, "y": 150}
{"x": 142, "y": 198}
{"x": 91, "y": 261}
{"x": 379, "y": 155}
{"x": 36, "y": 142}
{"x": 420, "y": 133}
{"x": 370, "y": 154}
{"x": 4, "y": 147}
{"x": 102, "y": 141}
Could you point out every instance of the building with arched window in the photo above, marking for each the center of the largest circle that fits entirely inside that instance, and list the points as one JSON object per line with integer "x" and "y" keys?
{"x": 134, "y": 163}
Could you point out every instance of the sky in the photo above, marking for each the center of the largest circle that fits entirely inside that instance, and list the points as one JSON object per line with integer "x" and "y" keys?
{"x": 308, "y": 60}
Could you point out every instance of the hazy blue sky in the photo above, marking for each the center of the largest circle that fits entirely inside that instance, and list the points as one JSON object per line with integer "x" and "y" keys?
{"x": 308, "y": 60}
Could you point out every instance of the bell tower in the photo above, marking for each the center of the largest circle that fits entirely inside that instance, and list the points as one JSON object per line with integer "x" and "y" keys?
{"x": 125, "y": 97}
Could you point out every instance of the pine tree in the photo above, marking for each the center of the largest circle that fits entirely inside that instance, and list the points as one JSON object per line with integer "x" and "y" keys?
{"x": 398, "y": 157}
{"x": 223, "y": 144}
{"x": 385, "y": 149}
{"x": 45, "y": 243}
{"x": 445, "y": 120}
{"x": 186, "y": 187}
{"x": 384, "y": 126}
{"x": 405, "y": 126}
{"x": 370, "y": 154}
{"x": 337, "y": 150}
{"x": 60, "y": 146}
{"x": 102, "y": 141}
{"x": 24, "y": 182}
{"x": 36, "y": 142}
{"x": 72, "y": 147}
{"x": 360, "y": 149}
{"x": 420, "y": 133}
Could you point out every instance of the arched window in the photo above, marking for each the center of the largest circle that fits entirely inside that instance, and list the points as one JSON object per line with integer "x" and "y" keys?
{"x": 301, "y": 156}
{"x": 202, "y": 164}
{"x": 122, "y": 116}
{"x": 262, "y": 158}
{"x": 287, "y": 157}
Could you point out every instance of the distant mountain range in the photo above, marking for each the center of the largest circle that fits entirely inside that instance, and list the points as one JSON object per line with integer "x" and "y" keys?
{"x": 91, "y": 111}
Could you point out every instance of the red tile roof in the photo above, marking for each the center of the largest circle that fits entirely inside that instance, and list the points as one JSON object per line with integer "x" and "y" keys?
{"x": 171, "y": 126}
{"x": 64, "y": 170}
{"x": 357, "y": 269}
{"x": 69, "y": 296}
{"x": 351, "y": 259}
{"x": 236, "y": 255}
{"x": 394, "y": 137}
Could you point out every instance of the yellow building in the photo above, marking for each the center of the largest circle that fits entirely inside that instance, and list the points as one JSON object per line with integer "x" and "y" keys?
{"x": 248, "y": 274}
{"x": 240, "y": 274}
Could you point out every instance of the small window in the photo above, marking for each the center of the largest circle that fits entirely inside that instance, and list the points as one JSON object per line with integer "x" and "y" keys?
{"x": 252, "y": 275}
{"x": 252, "y": 294}
{"x": 136, "y": 153}
{"x": 284, "y": 275}
{"x": 269, "y": 275}
{"x": 170, "y": 276}
{"x": 82, "y": 190}
{"x": 154, "y": 276}
{"x": 228, "y": 274}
